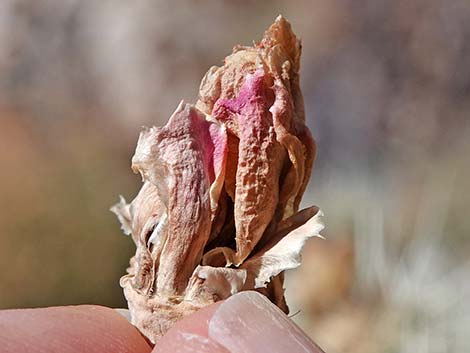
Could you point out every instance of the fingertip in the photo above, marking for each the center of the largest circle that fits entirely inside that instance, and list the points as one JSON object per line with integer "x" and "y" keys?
{"x": 246, "y": 322}
{"x": 84, "y": 328}
{"x": 249, "y": 322}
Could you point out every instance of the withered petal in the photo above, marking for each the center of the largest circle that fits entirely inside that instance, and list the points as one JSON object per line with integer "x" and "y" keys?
{"x": 218, "y": 282}
{"x": 122, "y": 211}
{"x": 259, "y": 161}
{"x": 281, "y": 255}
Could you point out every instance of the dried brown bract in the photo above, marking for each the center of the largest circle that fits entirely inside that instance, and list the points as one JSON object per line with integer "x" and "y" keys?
{"x": 222, "y": 182}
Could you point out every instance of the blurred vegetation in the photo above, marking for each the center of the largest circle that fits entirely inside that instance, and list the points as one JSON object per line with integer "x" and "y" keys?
{"x": 387, "y": 94}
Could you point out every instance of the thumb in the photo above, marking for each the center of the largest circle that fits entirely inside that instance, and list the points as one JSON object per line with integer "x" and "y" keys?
{"x": 246, "y": 322}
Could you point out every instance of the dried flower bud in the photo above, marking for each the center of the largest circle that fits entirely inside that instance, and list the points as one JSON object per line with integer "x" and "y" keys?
{"x": 217, "y": 213}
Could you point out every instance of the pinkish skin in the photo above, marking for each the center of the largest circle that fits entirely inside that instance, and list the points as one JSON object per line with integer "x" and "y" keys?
{"x": 258, "y": 168}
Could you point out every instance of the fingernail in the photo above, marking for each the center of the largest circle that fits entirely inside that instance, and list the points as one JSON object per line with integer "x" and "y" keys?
{"x": 249, "y": 322}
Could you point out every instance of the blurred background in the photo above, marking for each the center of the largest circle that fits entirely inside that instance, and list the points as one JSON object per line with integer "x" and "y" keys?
{"x": 387, "y": 93}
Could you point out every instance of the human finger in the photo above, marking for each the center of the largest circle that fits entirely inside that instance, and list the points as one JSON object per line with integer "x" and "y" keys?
{"x": 246, "y": 322}
{"x": 84, "y": 328}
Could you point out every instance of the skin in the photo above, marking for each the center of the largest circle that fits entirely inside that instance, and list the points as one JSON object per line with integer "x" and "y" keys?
{"x": 89, "y": 328}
